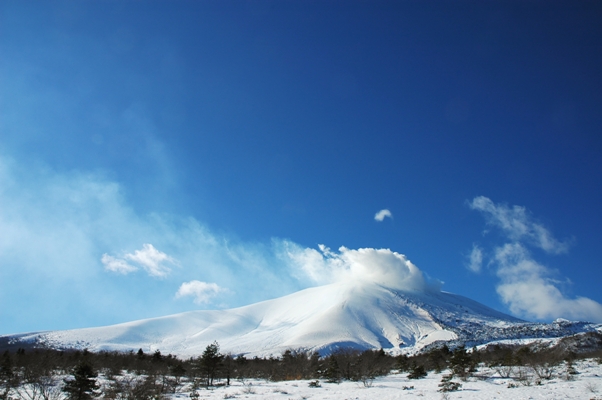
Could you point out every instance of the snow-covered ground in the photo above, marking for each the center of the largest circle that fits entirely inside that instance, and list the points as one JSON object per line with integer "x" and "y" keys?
{"x": 587, "y": 384}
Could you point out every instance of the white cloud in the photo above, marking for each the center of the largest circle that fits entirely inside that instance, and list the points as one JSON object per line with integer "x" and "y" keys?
{"x": 152, "y": 260}
{"x": 71, "y": 231}
{"x": 310, "y": 262}
{"x": 475, "y": 259}
{"x": 514, "y": 260}
{"x": 518, "y": 225}
{"x": 202, "y": 292}
{"x": 149, "y": 258}
{"x": 540, "y": 299}
{"x": 525, "y": 285}
{"x": 117, "y": 265}
{"x": 529, "y": 291}
{"x": 381, "y": 266}
{"x": 382, "y": 214}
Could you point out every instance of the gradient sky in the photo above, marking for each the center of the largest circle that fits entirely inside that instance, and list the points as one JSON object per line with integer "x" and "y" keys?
{"x": 160, "y": 157}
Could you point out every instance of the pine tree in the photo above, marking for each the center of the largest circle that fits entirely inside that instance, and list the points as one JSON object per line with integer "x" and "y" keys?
{"x": 7, "y": 376}
{"x": 417, "y": 372}
{"x": 461, "y": 363}
{"x": 332, "y": 372}
{"x": 210, "y": 362}
{"x": 83, "y": 386}
{"x": 403, "y": 363}
{"x": 438, "y": 358}
{"x": 447, "y": 385}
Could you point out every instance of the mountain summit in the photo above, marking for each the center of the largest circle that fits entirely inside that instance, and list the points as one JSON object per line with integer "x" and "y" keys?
{"x": 323, "y": 319}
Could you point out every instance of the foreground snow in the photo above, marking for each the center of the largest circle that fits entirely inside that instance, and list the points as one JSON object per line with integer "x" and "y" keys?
{"x": 587, "y": 384}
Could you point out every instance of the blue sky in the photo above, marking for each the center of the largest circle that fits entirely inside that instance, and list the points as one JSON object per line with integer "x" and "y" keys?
{"x": 160, "y": 157}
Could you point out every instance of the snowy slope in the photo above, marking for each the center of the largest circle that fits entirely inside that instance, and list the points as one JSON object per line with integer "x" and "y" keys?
{"x": 340, "y": 315}
{"x": 323, "y": 319}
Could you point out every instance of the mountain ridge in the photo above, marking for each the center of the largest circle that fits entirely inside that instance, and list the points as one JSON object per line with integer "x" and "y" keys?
{"x": 345, "y": 315}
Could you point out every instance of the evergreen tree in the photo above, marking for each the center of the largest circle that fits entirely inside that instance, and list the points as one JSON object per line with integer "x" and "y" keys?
{"x": 461, "y": 363}
{"x": 210, "y": 362}
{"x": 447, "y": 385}
{"x": 83, "y": 386}
{"x": 7, "y": 376}
{"x": 438, "y": 358}
{"x": 403, "y": 363}
{"x": 332, "y": 373}
{"x": 178, "y": 371}
{"x": 417, "y": 372}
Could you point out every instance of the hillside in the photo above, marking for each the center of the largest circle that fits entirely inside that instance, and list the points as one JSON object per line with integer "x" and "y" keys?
{"x": 322, "y": 319}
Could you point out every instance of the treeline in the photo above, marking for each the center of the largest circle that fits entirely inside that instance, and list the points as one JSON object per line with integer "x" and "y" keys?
{"x": 52, "y": 374}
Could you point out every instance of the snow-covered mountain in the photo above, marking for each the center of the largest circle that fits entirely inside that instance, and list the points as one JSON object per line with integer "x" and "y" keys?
{"x": 323, "y": 319}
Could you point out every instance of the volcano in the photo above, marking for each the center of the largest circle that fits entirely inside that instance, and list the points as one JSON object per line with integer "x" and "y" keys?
{"x": 322, "y": 319}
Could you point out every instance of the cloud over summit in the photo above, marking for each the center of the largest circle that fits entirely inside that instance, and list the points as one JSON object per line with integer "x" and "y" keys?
{"x": 380, "y": 266}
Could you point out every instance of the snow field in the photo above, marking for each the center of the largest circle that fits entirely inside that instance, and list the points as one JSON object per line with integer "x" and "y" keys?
{"x": 586, "y": 385}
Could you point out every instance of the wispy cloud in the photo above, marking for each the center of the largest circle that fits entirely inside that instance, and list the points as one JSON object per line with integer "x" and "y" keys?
{"x": 149, "y": 258}
{"x": 528, "y": 289}
{"x": 518, "y": 224}
{"x": 152, "y": 260}
{"x": 381, "y": 266}
{"x": 202, "y": 292}
{"x": 382, "y": 214}
{"x": 117, "y": 265}
{"x": 475, "y": 259}
{"x": 526, "y": 286}
{"x": 64, "y": 230}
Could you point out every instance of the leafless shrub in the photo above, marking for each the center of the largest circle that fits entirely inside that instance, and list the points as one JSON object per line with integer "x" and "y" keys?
{"x": 544, "y": 371}
{"x": 570, "y": 371}
{"x": 523, "y": 376}
{"x": 367, "y": 381}
{"x": 248, "y": 389}
{"x": 504, "y": 371}
{"x": 591, "y": 387}
{"x": 43, "y": 387}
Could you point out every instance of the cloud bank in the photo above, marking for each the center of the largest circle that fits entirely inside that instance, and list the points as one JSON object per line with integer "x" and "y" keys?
{"x": 382, "y": 214}
{"x": 526, "y": 286}
{"x": 380, "y": 266}
{"x": 77, "y": 235}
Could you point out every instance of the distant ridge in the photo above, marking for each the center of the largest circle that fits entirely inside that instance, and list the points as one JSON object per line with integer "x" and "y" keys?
{"x": 323, "y": 319}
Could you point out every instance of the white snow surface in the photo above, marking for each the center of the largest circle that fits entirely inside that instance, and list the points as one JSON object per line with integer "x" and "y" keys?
{"x": 486, "y": 384}
{"x": 323, "y": 319}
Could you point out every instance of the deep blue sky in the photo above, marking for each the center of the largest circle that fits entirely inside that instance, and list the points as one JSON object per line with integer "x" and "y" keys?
{"x": 216, "y": 131}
